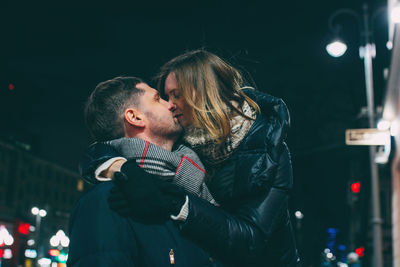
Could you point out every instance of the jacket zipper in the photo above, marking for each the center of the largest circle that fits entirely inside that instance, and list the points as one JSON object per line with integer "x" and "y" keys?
{"x": 172, "y": 257}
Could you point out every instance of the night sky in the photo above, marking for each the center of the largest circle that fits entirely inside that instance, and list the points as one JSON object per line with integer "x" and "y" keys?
{"x": 55, "y": 53}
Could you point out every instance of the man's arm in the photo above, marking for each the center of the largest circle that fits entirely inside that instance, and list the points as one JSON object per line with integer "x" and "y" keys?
{"x": 99, "y": 236}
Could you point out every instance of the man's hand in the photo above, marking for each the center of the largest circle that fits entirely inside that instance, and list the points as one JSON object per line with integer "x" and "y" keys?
{"x": 143, "y": 196}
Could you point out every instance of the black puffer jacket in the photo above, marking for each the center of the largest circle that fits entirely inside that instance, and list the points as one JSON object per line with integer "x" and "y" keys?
{"x": 253, "y": 227}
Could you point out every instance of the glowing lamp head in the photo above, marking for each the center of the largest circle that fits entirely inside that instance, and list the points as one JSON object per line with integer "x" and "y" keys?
{"x": 336, "y": 48}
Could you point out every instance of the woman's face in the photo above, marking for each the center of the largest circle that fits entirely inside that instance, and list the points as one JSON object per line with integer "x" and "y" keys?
{"x": 183, "y": 112}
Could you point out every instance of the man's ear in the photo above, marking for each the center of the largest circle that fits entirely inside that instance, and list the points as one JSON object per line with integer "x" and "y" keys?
{"x": 134, "y": 117}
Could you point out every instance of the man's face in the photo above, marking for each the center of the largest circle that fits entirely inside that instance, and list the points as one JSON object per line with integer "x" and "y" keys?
{"x": 159, "y": 118}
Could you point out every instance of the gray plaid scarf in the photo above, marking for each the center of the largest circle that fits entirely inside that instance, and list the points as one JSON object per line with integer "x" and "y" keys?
{"x": 181, "y": 166}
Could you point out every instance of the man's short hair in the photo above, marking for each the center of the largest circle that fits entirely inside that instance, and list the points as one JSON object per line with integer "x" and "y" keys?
{"x": 104, "y": 110}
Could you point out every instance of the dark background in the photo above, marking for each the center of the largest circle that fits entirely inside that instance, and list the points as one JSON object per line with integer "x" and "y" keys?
{"x": 55, "y": 53}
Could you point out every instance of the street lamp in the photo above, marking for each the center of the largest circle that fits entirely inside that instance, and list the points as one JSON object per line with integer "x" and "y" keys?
{"x": 39, "y": 214}
{"x": 336, "y": 49}
{"x": 367, "y": 52}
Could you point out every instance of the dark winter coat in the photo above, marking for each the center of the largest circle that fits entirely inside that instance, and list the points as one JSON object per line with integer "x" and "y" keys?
{"x": 253, "y": 227}
{"x": 101, "y": 237}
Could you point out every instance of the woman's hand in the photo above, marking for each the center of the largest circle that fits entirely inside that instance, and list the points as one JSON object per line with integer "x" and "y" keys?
{"x": 142, "y": 196}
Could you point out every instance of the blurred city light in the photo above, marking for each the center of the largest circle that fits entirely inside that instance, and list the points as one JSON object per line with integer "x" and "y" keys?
{"x": 65, "y": 241}
{"x": 54, "y": 241}
{"x": 360, "y": 251}
{"x": 395, "y": 14}
{"x": 11, "y": 86}
{"x": 59, "y": 238}
{"x": 54, "y": 252}
{"x": 299, "y": 215}
{"x": 389, "y": 45}
{"x": 42, "y": 213}
{"x": 336, "y": 48}
{"x": 30, "y": 253}
{"x": 63, "y": 257}
{"x": 35, "y": 210}
{"x": 5, "y": 237}
{"x": 356, "y": 187}
{"x": 44, "y": 262}
{"x": 32, "y": 228}
{"x": 329, "y": 255}
{"x": 30, "y": 242}
{"x": 7, "y": 254}
{"x": 383, "y": 125}
{"x": 23, "y": 228}
{"x": 394, "y": 128}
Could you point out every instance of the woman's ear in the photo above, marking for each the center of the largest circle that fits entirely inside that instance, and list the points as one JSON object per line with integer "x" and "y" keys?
{"x": 134, "y": 117}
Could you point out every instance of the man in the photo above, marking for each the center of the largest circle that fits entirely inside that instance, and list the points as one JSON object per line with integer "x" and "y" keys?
{"x": 128, "y": 107}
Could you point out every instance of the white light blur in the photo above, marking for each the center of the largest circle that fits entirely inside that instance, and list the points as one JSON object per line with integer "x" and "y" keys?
{"x": 342, "y": 264}
{"x": 299, "y": 215}
{"x": 327, "y": 250}
{"x": 42, "y": 213}
{"x": 30, "y": 253}
{"x": 7, "y": 254}
{"x": 329, "y": 255}
{"x": 30, "y": 242}
{"x": 32, "y": 228}
{"x": 54, "y": 241}
{"x": 394, "y": 129}
{"x": 8, "y": 240}
{"x": 35, "y": 211}
{"x": 60, "y": 234}
{"x": 336, "y": 48}
{"x": 5, "y": 236}
{"x": 65, "y": 241}
{"x": 63, "y": 257}
{"x": 395, "y": 14}
{"x": 389, "y": 45}
{"x": 383, "y": 125}
{"x": 44, "y": 262}
{"x": 54, "y": 264}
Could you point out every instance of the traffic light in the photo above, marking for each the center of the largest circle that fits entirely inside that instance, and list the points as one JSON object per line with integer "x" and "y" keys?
{"x": 356, "y": 187}
{"x": 360, "y": 251}
{"x": 23, "y": 228}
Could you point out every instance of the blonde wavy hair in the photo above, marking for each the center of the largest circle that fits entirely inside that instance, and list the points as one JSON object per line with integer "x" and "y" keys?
{"x": 210, "y": 86}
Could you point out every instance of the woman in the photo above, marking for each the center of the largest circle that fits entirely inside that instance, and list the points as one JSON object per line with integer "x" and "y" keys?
{"x": 239, "y": 135}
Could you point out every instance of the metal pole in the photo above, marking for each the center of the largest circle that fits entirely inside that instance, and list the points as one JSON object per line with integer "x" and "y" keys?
{"x": 376, "y": 214}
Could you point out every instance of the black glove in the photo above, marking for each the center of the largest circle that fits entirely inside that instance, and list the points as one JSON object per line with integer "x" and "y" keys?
{"x": 143, "y": 196}
{"x": 95, "y": 155}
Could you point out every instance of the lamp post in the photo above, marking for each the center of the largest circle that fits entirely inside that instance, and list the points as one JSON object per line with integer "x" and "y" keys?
{"x": 367, "y": 53}
{"x": 39, "y": 214}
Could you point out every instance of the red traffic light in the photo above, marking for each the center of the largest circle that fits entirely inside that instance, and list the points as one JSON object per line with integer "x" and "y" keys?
{"x": 54, "y": 252}
{"x": 355, "y": 187}
{"x": 23, "y": 228}
{"x": 11, "y": 86}
{"x": 360, "y": 251}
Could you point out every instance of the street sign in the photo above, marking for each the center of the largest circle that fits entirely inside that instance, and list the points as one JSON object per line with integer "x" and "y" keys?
{"x": 367, "y": 137}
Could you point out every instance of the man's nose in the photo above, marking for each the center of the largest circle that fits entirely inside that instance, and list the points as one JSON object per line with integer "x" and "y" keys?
{"x": 171, "y": 106}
